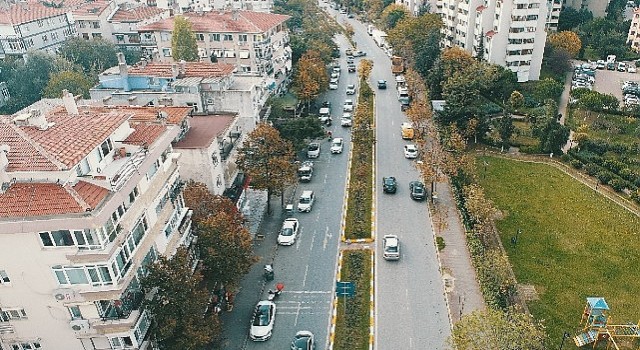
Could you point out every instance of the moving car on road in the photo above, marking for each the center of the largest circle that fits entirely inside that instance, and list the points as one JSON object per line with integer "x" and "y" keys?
{"x": 346, "y": 119}
{"x": 289, "y": 232}
{"x": 305, "y": 203}
{"x": 337, "y": 145}
{"x": 348, "y": 105}
{"x": 417, "y": 191}
{"x": 391, "y": 246}
{"x": 382, "y": 84}
{"x": 333, "y": 84}
{"x": 351, "y": 89}
{"x": 304, "y": 340}
{"x": 389, "y": 184}
{"x": 263, "y": 320}
{"x": 359, "y": 54}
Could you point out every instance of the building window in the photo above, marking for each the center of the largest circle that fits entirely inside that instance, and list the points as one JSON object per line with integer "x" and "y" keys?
{"x": 244, "y": 54}
{"x": 96, "y": 35}
{"x": 242, "y": 37}
{"x": 229, "y": 53}
{"x": 95, "y": 25}
{"x": 96, "y": 275}
{"x": 12, "y": 314}
{"x": 121, "y": 343}
{"x": 54, "y": 36}
{"x": 228, "y": 37}
{"x": 75, "y": 313}
{"x": 166, "y": 52}
{"x": 106, "y": 147}
{"x": 45, "y": 38}
{"x": 26, "y": 345}
{"x": 120, "y": 38}
{"x": 199, "y": 37}
{"x": 214, "y": 37}
{"x": 4, "y": 278}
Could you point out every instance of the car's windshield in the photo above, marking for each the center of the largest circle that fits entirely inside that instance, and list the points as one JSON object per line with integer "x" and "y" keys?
{"x": 392, "y": 249}
{"x": 262, "y": 316}
{"x": 418, "y": 190}
{"x": 300, "y": 343}
{"x": 288, "y": 231}
{"x": 304, "y": 172}
{"x": 305, "y": 200}
{"x": 389, "y": 181}
{"x": 313, "y": 147}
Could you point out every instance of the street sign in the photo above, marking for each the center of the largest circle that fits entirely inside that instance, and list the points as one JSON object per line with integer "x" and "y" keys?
{"x": 345, "y": 289}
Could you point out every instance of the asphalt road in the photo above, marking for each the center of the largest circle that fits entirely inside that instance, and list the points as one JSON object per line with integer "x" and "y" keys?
{"x": 410, "y": 303}
{"x": 308, "y": 267}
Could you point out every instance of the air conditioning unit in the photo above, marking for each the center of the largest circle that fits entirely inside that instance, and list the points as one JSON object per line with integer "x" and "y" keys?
{"x": 66, "y": 295}
{"x": 79, "y": 325}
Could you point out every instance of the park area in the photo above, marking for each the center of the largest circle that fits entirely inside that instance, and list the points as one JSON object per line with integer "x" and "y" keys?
{"x": 574, "y": 243}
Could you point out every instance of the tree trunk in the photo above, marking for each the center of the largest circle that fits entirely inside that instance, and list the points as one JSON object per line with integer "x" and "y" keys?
{"x": 269, "y": 201}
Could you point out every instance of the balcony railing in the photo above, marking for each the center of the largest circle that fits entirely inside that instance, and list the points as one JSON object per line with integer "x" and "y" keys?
{"x": 6, "y": 328}
{"x": 122, "y": 308}
{"x": 127, "y": 169}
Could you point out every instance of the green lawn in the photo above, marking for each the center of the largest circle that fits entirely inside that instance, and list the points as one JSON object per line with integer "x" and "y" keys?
{"x": 574, "y": 243}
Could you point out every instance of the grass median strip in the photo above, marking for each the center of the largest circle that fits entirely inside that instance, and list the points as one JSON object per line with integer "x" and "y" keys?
{"x": 358, "y": 220}
{"x": 352, "y": 324}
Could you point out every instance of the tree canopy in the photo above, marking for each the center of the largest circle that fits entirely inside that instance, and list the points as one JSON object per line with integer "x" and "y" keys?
{"x": 94, "y": 56}
{"x": 310, "y": 77}
{"x": 76, "y": 82}
{"x": 494, "y": 329}
{"x": 393, "y": 14}
{"x": 179, "y": 304}
{"x": 567, "y": 40}
{"x": 268, "y": 160}
{"x": 183, "y": 40}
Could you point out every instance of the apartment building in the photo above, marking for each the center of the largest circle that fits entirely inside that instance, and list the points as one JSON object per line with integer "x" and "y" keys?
{"x": 633, "y": 37}
{"x": 126, "y": 20}
{"x": 415, "y": 6}
{"x": 89, "y": 199}
{"x": 91, "y": 18}
{"x": 184, "y": 6}
{"x": 206, "y": 87}
{"x": 35, "y": 26}
{"x": 257, "y": 43}
{"x": 512, "y": 31}
{"x": 597, "y": 7}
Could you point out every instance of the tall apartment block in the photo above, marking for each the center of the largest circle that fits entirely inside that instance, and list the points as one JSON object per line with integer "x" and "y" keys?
{"x": 88, "y": 201}
{"x": 512, "y": 31}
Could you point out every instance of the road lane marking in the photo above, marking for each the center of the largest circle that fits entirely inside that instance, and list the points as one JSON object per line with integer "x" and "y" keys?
{"x": 306, "y": 272}
{"x": 327, "y": 236}
{"x": 313, "y": 239}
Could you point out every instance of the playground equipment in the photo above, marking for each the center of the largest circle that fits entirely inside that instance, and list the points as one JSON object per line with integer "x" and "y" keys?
{"x": 597, "y": 327}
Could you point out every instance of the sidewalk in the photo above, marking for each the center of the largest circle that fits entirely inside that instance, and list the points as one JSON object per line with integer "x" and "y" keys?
{"x": 461, "y": 285}
{"x": 251, "y": 288}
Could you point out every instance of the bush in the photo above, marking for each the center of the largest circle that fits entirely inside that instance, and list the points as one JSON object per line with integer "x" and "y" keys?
{"x": 618, "y": 185}
{"x": 591, "y": 169}
{"x": 440, "y": 243}
{"x": 576, "y": 163}
{"x": 530, "y": 149}
{"x": 604, "y": 176}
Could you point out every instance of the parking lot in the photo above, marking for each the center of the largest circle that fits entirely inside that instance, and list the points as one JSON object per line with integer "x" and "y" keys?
{"x": 610, "y": 82}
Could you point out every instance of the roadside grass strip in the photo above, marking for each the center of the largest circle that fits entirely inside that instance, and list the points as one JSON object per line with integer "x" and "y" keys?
{"x": 352, "y": 318}
{"x": 359, "y": 205}
{"x": 573, "y": 242}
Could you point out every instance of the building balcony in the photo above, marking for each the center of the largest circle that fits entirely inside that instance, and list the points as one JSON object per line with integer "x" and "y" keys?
{"x": 148, "y": 41}
{"x": 262, "y": 43}
{"x": 6, "y": 328}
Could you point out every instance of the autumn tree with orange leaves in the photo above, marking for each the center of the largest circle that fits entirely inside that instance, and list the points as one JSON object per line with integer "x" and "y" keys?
{"x": 268, "y": 160}
{"x": 310, "y": 77}
{"x": 224, "y": 243}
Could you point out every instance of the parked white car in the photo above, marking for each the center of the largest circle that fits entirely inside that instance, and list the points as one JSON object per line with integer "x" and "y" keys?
{"x": 337, "y": 145}
{"x": 264, "y": 318}
{"x": 391, "y": 246}
{"x": 313, "y": 150}
{"x": 410, "y": 151}
{"x": 305, "y": 203}
{"x": 632, "y": 68}
{"x": 289, "y": 232}
{"x": 333, "y": 84}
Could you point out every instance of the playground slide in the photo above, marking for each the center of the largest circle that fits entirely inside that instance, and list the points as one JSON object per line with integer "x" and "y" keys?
{"x": 585, "y": 338}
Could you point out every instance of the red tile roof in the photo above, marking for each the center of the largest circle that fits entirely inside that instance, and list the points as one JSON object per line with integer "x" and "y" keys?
{"x": 139, "y": 114}
{"x": 74, "y": 136}
{"x": 204, "y": 130}
{"x": 490, "y": 33}
{"x": 223, "y": 22}
{"x": 88, "y": 8}
{"x": 23, "y": 155}
{"x": 91, "y": 194}
{"x": 134, "y": 15}
{"x": 28, "y": 12}
{"x": 36, "y": 199}
{"x": 192, "y": 70}
{"x": 481, "y": 8}
{"x": 145, "y": 134}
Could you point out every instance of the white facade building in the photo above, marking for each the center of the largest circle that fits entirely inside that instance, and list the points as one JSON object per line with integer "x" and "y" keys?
{"x": 512, "y": 31}
{"x": 633, "y": 37}
{"x": 182, "y": 6}
{"x": 33, "y": 26}
{"x": 89, "y": 199}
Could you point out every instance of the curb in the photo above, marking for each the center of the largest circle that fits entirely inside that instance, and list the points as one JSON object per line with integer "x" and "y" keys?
{"x": 440, "y": 268}
{"x": 372, "y": 309}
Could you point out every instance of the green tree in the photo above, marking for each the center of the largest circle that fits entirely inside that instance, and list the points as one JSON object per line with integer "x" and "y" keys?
{"x": 605, "y": 37}
{"x": 76, "y": 82}
{"x": 495, "y": 329}
{"x": 505, "y": 126}
{"x": 94, "y": 56}
{"x": 547, "y": 89}
{"x": 183, "y": 40}
{"x": 268, "y": 160}
{"x": 552, "y": 135}
{"x": 417, "y": 40}
{"x": 27, "y": 80}
{"x": 392, "y": 14}
{"x": 178, "y": 305}
{"x": 299, "y": 130}
{"x": 571, "y": 18}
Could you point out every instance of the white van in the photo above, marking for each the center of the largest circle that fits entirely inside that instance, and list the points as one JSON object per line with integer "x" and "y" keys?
{"x": 305, "y": 203}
